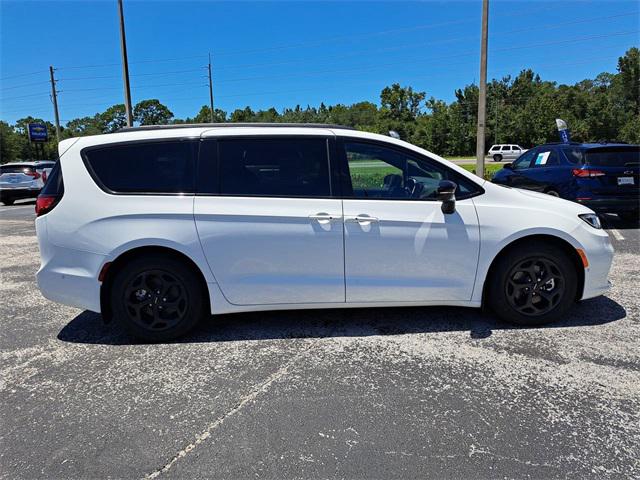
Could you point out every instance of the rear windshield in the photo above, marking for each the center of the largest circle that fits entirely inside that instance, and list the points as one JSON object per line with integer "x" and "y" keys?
{"x": 15, "y": 168}
{"x": 613, "y": 157}
{"x": 54, "y": 185}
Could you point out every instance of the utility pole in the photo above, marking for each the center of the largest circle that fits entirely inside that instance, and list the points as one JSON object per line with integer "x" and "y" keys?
{"x": 125, "y": 68}
{"x": 54, "y": 98}
{"x": 210, "y": 89}
{"x": 495, "y": 139}
{"x": 482, "y": 98}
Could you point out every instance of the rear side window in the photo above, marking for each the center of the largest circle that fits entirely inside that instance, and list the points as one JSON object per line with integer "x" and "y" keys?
{"x": 574, "y": 155}
{"x": 154, "y": 167}
{"x": 295, "y": 167}
{"x": 54, "y": 184}
{"x": 614, "y": 157}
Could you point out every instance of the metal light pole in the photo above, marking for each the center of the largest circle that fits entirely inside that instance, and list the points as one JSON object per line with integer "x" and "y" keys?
{"x": 125, "y": 68}
{"x": 482, "y": 98}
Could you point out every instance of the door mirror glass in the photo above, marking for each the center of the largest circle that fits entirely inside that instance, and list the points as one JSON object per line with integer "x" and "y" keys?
{"x": 508, "y": 166}
{"x": 447, "y": 195}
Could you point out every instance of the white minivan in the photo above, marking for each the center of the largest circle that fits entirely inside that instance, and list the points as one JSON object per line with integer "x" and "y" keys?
{"x": 158, "y": 227}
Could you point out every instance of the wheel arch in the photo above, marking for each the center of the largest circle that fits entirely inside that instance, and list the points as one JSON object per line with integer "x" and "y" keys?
{"x": 561, "y": 243}
{"x": 114, "y": 266}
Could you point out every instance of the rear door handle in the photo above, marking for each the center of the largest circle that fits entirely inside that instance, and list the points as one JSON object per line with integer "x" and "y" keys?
{"x": 362, "y": 219}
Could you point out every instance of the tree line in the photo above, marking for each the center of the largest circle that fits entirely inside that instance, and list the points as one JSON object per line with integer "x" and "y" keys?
{"x": 520, "y": 110}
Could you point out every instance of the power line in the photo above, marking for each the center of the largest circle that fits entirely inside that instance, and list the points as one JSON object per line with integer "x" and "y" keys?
{"x": 155, "y": 74}
{"x": 431, "y": 43}
{"x": 157, "y": 60}
{"x": 403, "y": 62}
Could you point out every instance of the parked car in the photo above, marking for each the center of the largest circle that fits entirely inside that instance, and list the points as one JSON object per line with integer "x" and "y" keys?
{"x": 603, "y": 177}
{"x": 158, "y": 226}
{"x": 502, "y": 152}
{"x": 21, "y": 180}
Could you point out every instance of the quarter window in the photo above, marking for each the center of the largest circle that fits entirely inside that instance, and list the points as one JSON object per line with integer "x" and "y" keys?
{"x": 154, "y": 167}
{"x": 384, "y": 173}
{"x": 296, "y": 167}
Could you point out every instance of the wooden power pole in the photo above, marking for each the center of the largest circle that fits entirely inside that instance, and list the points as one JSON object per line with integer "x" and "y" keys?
{"x": 482, "y": 98}
{"x": 210, "y": 90}
{"x": 125, "y": 68}
{"x": 54, "y": 99}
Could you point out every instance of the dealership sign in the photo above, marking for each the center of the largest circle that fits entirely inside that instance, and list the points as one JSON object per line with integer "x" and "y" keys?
{"x": 37, "y": 132}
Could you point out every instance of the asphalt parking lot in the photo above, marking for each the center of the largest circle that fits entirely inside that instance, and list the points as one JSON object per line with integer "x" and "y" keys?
{"x": 402, "y": 393}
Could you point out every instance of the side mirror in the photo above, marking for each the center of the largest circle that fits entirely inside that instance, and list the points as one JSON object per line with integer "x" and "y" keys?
{"x": 447, "y": 195}
{"x": 508, "y": 166}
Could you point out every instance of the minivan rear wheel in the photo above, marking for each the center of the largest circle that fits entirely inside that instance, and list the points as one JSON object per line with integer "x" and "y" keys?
{"x": 532, "y": 284}
{"x": 8, "y": 201}
{"x": 156, "y": 298}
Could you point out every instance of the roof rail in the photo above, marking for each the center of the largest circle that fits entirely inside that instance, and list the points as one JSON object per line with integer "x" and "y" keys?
{"x": 230, "y": 124}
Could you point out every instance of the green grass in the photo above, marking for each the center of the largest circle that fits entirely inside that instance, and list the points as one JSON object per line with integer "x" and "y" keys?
{"x": 489, "y": 169}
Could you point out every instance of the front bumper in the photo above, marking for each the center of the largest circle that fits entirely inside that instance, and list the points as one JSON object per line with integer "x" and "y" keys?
{"x": 596, "y": 275}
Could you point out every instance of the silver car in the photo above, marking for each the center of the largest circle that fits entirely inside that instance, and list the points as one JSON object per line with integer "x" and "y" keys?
{"x": 505, "y": 152}
{"x": 23, "y": 180}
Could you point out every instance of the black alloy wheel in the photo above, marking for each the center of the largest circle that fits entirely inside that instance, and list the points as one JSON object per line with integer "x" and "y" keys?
{"x": 156, "y": 300}
{"x": 535, "y": 286}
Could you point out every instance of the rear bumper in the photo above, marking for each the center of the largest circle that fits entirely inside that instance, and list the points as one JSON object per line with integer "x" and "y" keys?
{"x": 612, "y": 205}
{"x": 67, "y": 276}
{"x": 18, "y": 193}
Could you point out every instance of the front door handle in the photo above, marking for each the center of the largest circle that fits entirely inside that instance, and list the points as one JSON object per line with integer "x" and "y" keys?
{"x": 323, "y": 217}
{"x": 362, "y": 219}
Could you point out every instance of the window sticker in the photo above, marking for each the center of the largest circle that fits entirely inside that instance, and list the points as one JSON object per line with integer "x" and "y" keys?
{"x": 542, "y": 158}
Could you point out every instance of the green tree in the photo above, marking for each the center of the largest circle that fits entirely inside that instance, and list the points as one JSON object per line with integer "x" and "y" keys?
{"x": 114, "y": 118}
{"x": 152, "y": 112}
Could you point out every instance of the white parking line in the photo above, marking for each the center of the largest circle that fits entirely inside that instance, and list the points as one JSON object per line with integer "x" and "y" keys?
{"x": 618, "y": 236}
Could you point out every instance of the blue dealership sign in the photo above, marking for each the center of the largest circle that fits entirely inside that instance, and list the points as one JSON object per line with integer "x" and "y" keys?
{"x": 37, "y": 132}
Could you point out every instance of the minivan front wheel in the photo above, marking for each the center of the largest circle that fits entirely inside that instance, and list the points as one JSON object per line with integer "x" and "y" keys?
{"x": 156, "y": 298}
{"x": 497, "y": 158}
{"x": 532, "y": 284}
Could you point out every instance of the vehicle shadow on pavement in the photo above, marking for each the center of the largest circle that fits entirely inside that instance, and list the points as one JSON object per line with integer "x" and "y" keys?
{"x": 89, "y": 328}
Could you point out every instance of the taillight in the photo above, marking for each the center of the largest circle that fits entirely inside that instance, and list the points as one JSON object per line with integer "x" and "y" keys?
{"x": 33, "y": 174}
{"x": 44, "y": 176}
{"x": 46, "y": 203}
{"x": 584, "y": 172}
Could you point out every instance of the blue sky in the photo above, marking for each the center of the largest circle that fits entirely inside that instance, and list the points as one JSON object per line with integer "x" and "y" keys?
{"x": 282, "y": 54}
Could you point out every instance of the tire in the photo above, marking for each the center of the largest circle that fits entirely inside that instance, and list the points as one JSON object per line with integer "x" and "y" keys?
{"x": 507, "y": 295}
{"x": 497, "y": 158}
{"x": 172, "y": 289}
{"x": 553, "y": 193}
{"x": 8, "y": 201}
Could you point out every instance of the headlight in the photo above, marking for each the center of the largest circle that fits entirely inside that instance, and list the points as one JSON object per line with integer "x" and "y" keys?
{"x": 592, "y": 219}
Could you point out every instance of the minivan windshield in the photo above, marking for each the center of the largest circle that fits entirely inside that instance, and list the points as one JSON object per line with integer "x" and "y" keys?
{"x": 613, "y": 157}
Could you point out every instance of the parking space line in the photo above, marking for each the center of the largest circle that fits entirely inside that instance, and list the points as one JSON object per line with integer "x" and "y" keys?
{"x": 245, "y": 400}
{"x": 617, "y": 235}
